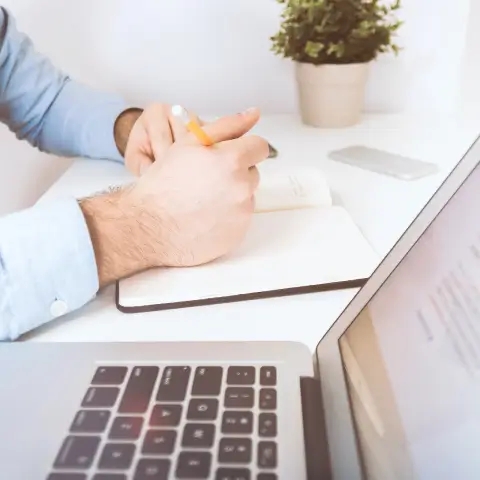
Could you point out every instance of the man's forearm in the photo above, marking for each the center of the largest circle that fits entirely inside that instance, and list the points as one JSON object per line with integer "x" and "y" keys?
{"x": 115, "y": 229}
{"x": 55, "y": 256}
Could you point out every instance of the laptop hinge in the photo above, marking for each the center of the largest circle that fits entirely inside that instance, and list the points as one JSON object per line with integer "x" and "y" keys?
{"x": 315, "y": 431}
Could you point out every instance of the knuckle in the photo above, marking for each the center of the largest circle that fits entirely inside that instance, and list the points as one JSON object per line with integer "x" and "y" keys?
{"x": 153, "y": 111}
{"x": 157, "y": 115}
{"x": 159, "y": 107}
{"x": 260, "y": 145}
{"x": 254, "y": 179}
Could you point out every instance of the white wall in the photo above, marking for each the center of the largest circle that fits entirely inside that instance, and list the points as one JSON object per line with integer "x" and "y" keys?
{"x": 470, "y": 87}
{"x": 214, "y": 56}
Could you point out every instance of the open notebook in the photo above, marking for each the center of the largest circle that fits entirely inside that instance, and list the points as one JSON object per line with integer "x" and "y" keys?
{"x": 298, "y": 243}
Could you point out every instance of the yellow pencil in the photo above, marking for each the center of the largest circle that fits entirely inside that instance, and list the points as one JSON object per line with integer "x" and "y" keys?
{"x": 192, "y": 125}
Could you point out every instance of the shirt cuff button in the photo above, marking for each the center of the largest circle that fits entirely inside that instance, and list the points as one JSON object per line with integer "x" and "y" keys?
{"x": 58, "y": 308}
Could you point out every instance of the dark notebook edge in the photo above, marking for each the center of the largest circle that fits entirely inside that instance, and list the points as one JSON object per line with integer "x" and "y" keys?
{"x": 285, "y": 292}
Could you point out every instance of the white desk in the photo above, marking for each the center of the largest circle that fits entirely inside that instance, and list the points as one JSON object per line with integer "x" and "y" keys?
{"x": 381, "y": 206}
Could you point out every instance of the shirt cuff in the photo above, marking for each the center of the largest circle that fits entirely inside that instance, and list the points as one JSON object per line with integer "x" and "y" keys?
{"x": 81, "y": 123}
{"x": 47, "y": 266}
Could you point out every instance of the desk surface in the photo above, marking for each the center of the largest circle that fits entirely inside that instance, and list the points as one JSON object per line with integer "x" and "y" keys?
{"x": 381, "y": 206}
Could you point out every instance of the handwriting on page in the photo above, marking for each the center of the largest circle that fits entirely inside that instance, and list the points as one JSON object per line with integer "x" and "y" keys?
{"x": 289, "y": 189}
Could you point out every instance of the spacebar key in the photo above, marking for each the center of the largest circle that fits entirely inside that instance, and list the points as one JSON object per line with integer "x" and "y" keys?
{"x": 138, "y": 391}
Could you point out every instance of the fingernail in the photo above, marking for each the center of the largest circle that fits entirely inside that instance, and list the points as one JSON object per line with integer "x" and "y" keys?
{"x": 248, "y": 111}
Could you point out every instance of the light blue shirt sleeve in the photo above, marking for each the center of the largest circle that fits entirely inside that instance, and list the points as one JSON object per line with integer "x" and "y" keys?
{"x": 47, "y": 262}
{"x": 47, "y": 266}
{"x": 45, "y": 107}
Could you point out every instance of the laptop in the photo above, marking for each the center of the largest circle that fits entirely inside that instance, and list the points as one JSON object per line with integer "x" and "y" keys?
{"x": 392, "y": 390}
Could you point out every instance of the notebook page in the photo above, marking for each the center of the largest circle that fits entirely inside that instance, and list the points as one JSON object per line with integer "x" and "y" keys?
{"x": 282, "y": 250}
{"x": 284, "y": 188}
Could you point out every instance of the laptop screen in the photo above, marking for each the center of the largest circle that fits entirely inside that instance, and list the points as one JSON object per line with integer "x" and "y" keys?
{"x": 412, "y": 357}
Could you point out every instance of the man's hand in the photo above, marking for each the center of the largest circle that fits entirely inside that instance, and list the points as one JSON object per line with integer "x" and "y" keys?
{"x": 145, "y": 136}
{"x": 191, "y": 208}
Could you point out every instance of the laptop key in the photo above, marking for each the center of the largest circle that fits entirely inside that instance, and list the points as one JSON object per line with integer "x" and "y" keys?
{"x": 109, "y": 476}
{"x": 239, "y": 397}
{"x": 237, "y": 422}
{"x": 173, "y": 385}
{"x": 233, "y": 474}
{"x": 268, "y": 399}
{"x": 109, "y": 376}
{"x": 198, "y": 435}
{"x": 126, "y": 428}
{"x": 193, "y": 465}
{"x": 207, "y": 381}
{"x": 100, "y": 397}
{"x": 267, "y": 476}
{"x": 159, "y": 442}
{"x": 241, "y": 375}
{"x": 268, "y": 376}
{"x": 117, "y": 456}
{"x": 165, "y": 415}
{"x": 267, "y": 454}
{"x": 138, "y": 391}
{"x": 267, "y": 425}
{"x": 77, "y": 452}
{"x": 90, "y": 421}
{"x": 202, "y": 409}
{"x": 235, "y": 450}
{"x": 67, "y": 476}
{"x": 152, "y": 469}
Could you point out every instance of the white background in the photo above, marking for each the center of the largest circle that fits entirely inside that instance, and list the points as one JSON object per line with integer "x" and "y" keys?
{"x": 214, "y": 57}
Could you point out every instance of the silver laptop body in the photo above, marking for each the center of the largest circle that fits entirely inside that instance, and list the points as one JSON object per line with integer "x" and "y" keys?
{"x": 385, "y": 397}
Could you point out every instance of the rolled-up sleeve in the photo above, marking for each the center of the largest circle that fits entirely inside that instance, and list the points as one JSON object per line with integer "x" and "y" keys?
{"x": 44, "y": 106}
{"x": 47, "y": 266}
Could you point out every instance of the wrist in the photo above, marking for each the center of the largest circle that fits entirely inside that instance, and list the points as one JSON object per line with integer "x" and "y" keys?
{"x": 123, "y": 126}
{"x": 116, "y": 235}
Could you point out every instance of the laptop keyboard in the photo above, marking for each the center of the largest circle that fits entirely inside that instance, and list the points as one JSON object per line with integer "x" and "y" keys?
{"x": 176, "y": 422}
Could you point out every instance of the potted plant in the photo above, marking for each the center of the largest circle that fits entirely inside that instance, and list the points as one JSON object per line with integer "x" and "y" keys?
{"x": 332, "y": 43}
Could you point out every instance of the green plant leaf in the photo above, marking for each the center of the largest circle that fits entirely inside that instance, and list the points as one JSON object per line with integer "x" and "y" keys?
{"x": 312, "y": 49}
{"x": 336, "y": 31}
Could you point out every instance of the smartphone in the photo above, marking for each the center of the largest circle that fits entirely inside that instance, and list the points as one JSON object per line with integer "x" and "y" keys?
{"x": 384, "y": 162}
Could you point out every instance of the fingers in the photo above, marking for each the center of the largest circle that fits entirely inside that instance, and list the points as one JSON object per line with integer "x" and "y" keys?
{"x": 159, "y": 131}
{"x": 247, "y": 151}
{"x": 178, "y": 128}
{"x": 138, "y": 164}
{"x": 197, "y": 119}
{"x": 230, "y": 127}
{"x": 254, "y": 179}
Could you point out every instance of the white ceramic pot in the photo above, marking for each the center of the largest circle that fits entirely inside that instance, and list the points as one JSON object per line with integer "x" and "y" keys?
{"x": 331, "y": 96}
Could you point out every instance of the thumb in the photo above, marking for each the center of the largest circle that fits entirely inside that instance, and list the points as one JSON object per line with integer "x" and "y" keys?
{"x": 232, "y": 126}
